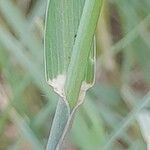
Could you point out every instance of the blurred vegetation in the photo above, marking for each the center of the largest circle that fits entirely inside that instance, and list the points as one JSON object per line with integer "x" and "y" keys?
{"x": 116, "y": 113}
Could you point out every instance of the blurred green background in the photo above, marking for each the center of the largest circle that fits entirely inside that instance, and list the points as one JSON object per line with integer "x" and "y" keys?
{"x": 116, "y": 112}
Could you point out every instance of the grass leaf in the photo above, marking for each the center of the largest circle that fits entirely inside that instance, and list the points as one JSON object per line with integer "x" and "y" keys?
{"x": 68, "y": 42}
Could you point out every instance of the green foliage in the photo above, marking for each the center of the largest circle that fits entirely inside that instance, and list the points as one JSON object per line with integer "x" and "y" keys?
{"x": 109, "y": 113}
{"x": 69, "y": 34}
{"x": 69, "y": 57}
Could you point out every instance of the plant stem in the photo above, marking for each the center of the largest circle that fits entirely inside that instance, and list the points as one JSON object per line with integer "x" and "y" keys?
{"x": 58, "y": 126}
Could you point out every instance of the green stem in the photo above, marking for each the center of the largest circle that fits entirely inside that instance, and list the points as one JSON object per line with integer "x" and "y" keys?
{"x": 58, "y": 126}
{"x": 81, "y": 50}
